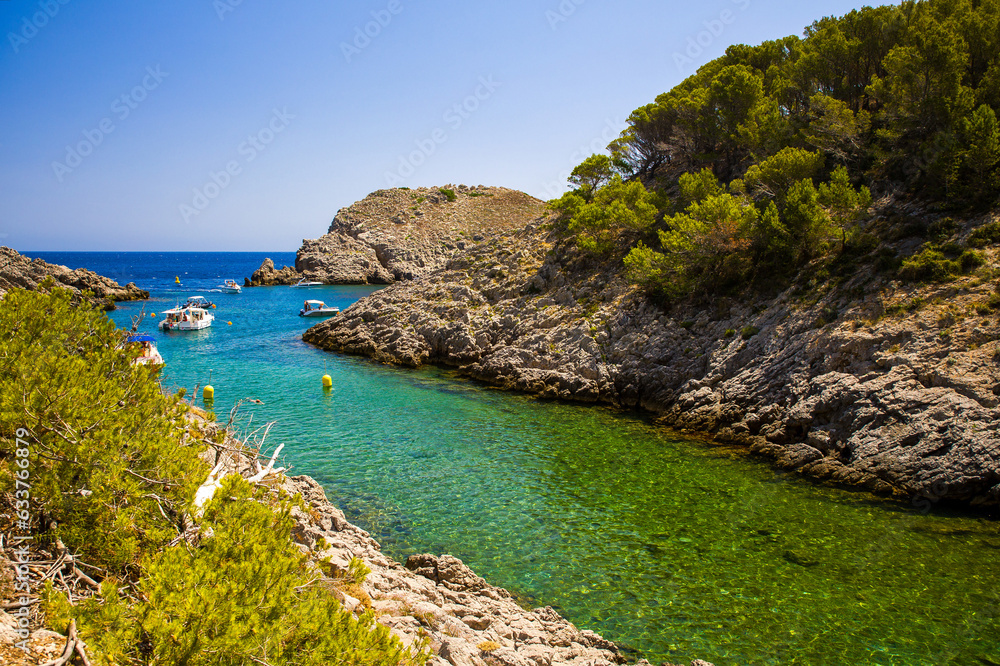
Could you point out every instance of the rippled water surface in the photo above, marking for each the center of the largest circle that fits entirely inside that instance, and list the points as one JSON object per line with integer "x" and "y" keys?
{"x": 671, "y": 547}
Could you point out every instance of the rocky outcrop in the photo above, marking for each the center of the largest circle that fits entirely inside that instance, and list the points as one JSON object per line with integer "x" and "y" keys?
{"x": 403, "y": 234}
{"x": 846, "y": 384}
{"x": 267, "y": 276}
{"x": 17, "y": 270}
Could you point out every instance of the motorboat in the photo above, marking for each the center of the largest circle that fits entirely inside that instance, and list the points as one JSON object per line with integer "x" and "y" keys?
{"x": 186, "y": 319}
{"x": 306, "y": 283}
{"x": 198, "y": 302}
{"x": 317, "y": 309}
{"x": 230, "y": 287}
{"x": 148, "y": 353}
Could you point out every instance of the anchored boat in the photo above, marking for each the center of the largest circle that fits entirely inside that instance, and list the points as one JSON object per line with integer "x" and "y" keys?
{"x": 198, "y": 302}
{"x": 317, "y": 309}
{"x": 305, "y": 283}
{"x": 186, "y": 319}
{"x": 149, "y": 354}
{"x": 230, "y": 287}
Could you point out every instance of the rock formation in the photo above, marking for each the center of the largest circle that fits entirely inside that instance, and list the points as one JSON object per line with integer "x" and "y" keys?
{"x": 267, "y": 276}
{"x": 871, "y": 383}
{"x": 403, "y": 234}
{"x": 17, "y": 270}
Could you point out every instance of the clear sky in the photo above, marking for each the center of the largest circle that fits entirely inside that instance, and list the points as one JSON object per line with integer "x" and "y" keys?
{"x": 245, "y": 124}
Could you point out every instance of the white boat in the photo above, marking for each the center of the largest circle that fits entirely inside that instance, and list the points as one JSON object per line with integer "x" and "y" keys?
{"x": 186, "y": 319}
{"x": 317, "y": 309}
{"x": 305, "y": 283}
{"x": 230, "y": 287}
{"x": 198, "y": 302}
{"x": 148, "y": 353}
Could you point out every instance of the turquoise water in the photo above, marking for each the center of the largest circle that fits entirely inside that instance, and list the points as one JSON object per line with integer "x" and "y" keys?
{"x": 671, "y": 547}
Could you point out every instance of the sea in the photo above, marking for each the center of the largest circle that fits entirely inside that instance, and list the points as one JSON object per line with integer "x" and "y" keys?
{"x": 672, "y": 547}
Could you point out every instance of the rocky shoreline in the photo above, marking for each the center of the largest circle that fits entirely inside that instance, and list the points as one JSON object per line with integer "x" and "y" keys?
{"x": 432, "y": 601}
{"x": 871, "y": 383}
{"x": 17, "y": 270}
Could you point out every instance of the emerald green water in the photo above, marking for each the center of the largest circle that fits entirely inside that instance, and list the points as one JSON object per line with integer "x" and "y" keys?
{"x": 673, "y": 548}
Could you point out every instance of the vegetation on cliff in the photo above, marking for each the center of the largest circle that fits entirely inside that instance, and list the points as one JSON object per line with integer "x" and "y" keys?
{"x": 101, "y": 470}
{"x": 766, "y": 159}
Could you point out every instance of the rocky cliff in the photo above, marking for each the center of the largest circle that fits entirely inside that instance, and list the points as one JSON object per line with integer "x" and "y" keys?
{"x": 17, "y": 270}
{"x": 402, "y": 234}
{"x": 866, "y": 382}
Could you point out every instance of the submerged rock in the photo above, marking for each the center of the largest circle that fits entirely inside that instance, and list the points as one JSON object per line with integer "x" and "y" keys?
{"x": 466, "y": 620}
{"x": 16, "y": 270}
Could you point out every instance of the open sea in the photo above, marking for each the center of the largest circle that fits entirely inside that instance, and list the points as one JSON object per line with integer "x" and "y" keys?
{"x": 673, "y": 548}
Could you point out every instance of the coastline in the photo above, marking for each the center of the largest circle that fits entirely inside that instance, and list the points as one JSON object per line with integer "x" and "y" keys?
{"x": 857, "y": 391}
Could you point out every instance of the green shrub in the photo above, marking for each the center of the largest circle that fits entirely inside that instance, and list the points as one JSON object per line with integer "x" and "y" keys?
{"x": 450, "y": 194}
{"x": 988, "y": 234}
{"x": 970, "y": 260}
{"x": 730, "y": 332}
{"x": 109, "y": 454}
{"x": 243, "y": 596}
{"x": 748, "y": 332}
{"x": 941, "y": 230}
{"x": 931, "y": 265}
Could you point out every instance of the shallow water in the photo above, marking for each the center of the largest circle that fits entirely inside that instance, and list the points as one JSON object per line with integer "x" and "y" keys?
{"x": 671, "y": 547}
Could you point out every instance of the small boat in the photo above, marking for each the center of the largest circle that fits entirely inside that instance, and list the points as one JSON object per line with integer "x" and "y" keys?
{"x": 186, "y": 319}
{"x": 305, "y": 283}
{"x": 230, "y": 287}
{"x": 149, "y": 354}
{"x": 198, "y": 302}
{"x": 317, "y": 309}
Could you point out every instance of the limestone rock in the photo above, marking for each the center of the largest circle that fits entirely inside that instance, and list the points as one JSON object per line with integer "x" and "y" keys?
{"x": 403, "y": 234}
{"x": 267, "y": 276}
{"x": 17, "y": 270}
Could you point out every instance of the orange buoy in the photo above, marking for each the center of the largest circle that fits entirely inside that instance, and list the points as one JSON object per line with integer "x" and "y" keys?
{"x": 229, "y": 323}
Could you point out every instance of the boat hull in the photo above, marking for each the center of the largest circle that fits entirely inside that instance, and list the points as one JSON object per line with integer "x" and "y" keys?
{"x": 185, "y": 325}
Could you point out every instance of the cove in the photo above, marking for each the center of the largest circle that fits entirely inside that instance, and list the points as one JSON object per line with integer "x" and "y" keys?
{"x": 671, "y": 547}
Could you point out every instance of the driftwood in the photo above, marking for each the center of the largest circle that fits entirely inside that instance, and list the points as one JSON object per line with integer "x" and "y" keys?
{"x": 74, "y": 645}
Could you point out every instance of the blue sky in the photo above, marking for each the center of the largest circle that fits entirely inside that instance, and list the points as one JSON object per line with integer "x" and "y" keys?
{"x": 245, "y": 125}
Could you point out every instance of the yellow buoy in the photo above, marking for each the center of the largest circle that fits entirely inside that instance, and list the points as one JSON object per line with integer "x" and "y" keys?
{"x": 208, "y": 393}
{"x": 327, "y": 381}
{"x": 177, "y": 279}
{"x": 229, "y": 323}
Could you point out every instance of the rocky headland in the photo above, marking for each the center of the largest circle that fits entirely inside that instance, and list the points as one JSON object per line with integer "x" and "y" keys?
{"x": 402, "y": 234}
{"x": 17, "y": 270}
{"x": 863, "y": 381}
